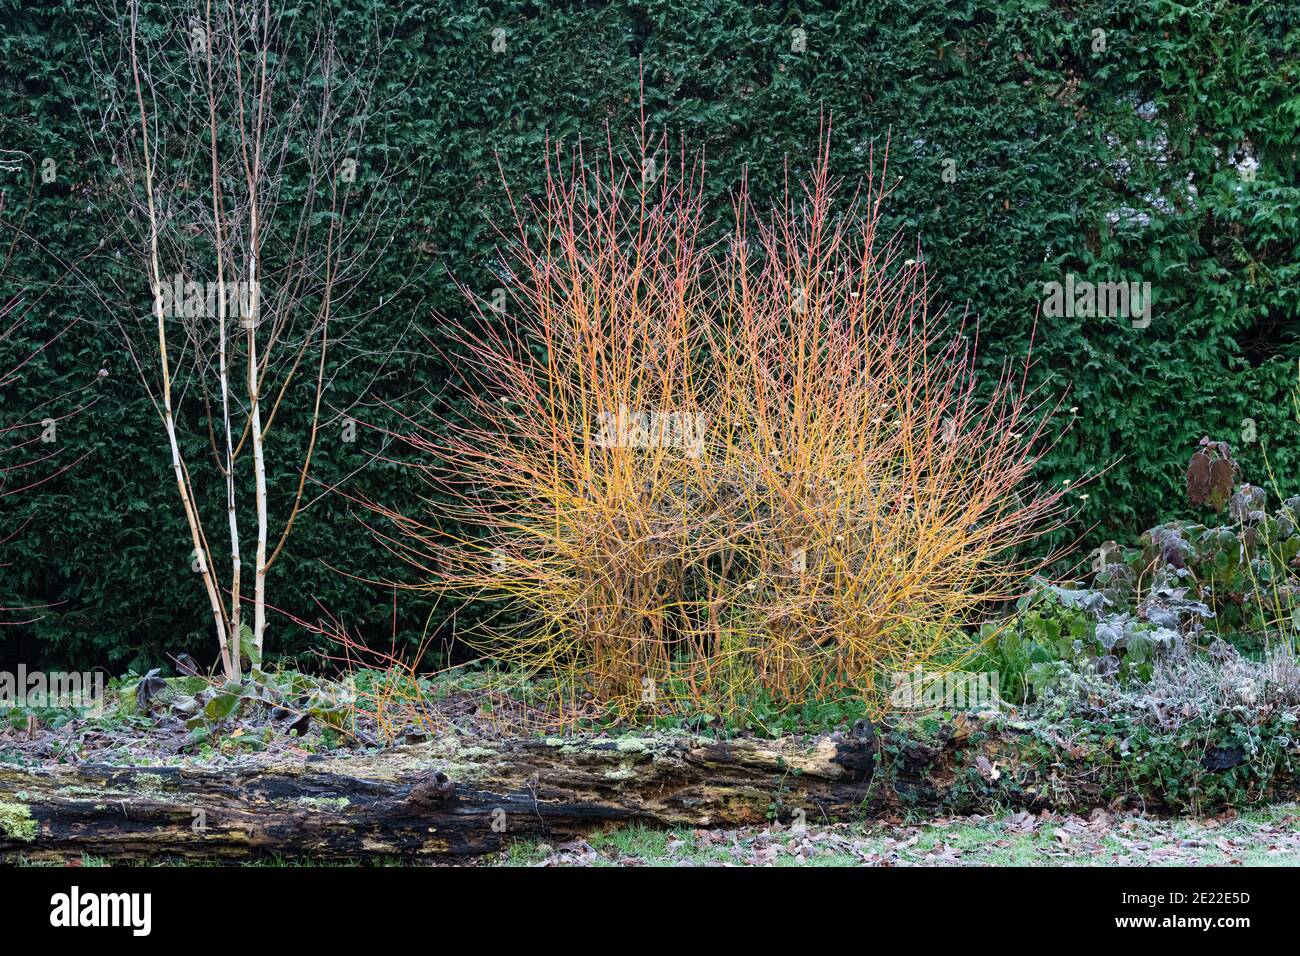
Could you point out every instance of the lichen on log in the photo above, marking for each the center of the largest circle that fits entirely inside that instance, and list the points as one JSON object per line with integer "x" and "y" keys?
{"x": 446, "y": 799}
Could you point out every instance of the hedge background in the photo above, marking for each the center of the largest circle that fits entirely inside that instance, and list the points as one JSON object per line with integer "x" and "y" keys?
{"x": 1113, "y": 163}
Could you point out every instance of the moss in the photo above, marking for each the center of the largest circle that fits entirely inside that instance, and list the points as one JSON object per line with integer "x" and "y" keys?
{"x": 927, "y": 729}
{"x": 16, "y": 821}
{"x": 76, "y": 790}
{"x": 149, "y": 784}
{"x": 325, "y": 803}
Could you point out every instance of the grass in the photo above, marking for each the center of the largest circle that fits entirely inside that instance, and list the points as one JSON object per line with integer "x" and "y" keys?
{"x": 1266, "y": 837}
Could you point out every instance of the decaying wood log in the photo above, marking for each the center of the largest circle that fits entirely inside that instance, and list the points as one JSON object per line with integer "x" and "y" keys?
{"x": 444, "y": 799}
{"x": 457, "y": 798}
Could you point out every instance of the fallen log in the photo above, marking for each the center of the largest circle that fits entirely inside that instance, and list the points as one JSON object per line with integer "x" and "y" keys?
{"x": 443, "y": 800}
{"x": 456, "y": 798}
